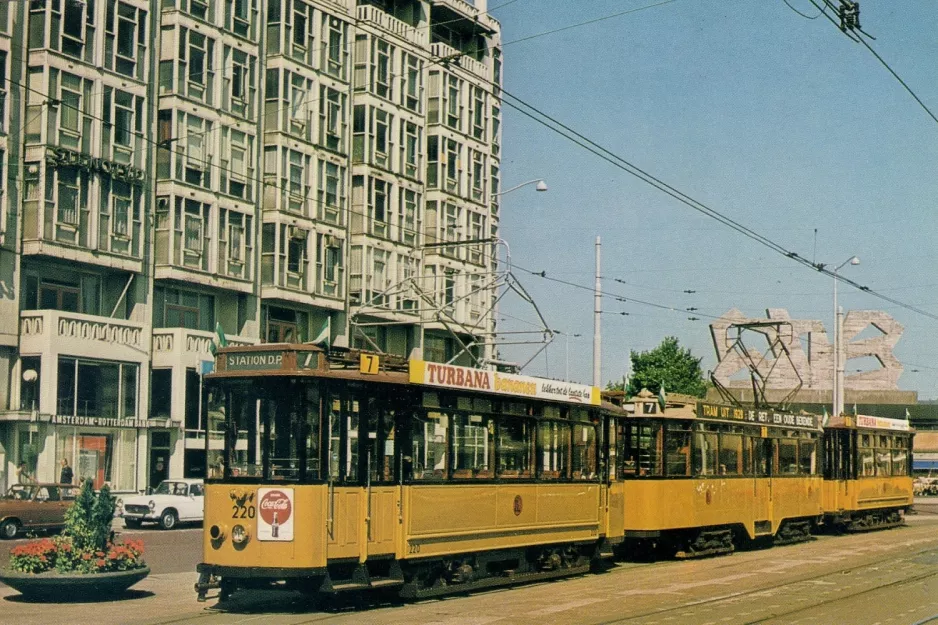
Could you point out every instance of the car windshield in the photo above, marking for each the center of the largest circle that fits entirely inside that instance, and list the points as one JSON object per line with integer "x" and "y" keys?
{"x": 20, "y": 492}
{"x": 172, "y": 488}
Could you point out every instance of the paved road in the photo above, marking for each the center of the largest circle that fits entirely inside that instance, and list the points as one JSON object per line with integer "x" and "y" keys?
{"x": 875, "y": 578}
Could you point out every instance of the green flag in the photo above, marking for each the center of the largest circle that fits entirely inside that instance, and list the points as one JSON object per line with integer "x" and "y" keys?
{"x": 662, "y": 398}
{"x": 324, "y": 338}
{"x": 218, "y": 340}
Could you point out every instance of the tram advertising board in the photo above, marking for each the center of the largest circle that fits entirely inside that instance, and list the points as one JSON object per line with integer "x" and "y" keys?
{"x": 275, "y": 514}
{"x": 466, "y": 378}
{"x": 882, "y": 423}
{"x": 757, "y": 416}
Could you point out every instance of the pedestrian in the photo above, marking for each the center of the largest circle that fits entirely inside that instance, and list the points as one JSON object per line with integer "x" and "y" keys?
{"x": 65, "y": 477}
{"x": 22, "y": 474}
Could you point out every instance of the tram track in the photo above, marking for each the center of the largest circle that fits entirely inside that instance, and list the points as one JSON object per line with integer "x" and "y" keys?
{"x": 736, "y": 596}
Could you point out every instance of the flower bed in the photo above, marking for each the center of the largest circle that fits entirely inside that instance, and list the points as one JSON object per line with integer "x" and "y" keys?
{"x": 85, "y": 558}
{"x": 59, "y": 554}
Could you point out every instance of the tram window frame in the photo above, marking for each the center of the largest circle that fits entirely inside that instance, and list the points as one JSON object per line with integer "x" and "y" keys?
{"x": 900, "y": 462}
{"x": 809, "y": 468}
{"x": 584, "y": 454}
{"x": 553, "y": 458}
{"x": 643, "y": 446}
{"x": 786, "y": 459}
{"x": 417, "y": 470}
{"x": 706, "y": 453}
{"x": 472, "y": 470}
{"x": 677, "y": 450}
{"x": 883, "y": 461}
{"x": 730, "y": 454}
{"x": 528, "y": 446}
{"x": 383, "y": 416}
{"x": 764, "y": 453}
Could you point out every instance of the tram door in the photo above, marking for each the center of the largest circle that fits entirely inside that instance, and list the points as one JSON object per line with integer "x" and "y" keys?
{"x": 763, "y": 458}
{"x": 382, "y": 486}
{"x": 615, "y": 494}
{"x": 346, "y": 508}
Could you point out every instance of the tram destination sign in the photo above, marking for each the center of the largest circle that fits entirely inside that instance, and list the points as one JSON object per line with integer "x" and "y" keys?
{"x": 466, "y": 378}
{"x": 882, "y": 423}
{"x": 756, "y": 416}
{"x": 254, "y": 361}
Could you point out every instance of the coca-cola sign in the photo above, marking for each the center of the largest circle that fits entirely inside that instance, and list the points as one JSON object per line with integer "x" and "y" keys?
{"x": 275, "y": 502}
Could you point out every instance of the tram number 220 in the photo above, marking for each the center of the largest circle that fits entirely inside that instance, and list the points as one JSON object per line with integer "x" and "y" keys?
{"x": 242, "y": 512}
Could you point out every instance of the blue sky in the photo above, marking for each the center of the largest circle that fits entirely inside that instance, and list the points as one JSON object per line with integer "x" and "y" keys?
{"x": 779, "y": 122}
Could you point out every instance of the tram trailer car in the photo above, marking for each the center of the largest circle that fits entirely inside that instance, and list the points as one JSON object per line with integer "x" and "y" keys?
{"x": 701, "y": 479}
{"x": 867, "y": 472}
{"x": 351, "y": 473}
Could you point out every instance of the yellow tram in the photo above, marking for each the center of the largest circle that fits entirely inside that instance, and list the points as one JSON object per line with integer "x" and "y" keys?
{"x": 867, "y": 472}
{"x": 357, "y": 471}
{"x": 698, "y": 478}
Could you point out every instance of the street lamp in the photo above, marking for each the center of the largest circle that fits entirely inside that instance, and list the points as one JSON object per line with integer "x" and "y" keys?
{"x": 541, "y": 186}
{"x": 838, "y": 389}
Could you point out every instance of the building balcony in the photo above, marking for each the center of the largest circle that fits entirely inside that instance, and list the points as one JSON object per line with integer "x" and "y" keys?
{"x": 374, "y": 15}
{"x": 442, "y": 51}
{"x": 467, "y": 10}
{"x": 75, "y": 334}
{"x": 186, "y": 348}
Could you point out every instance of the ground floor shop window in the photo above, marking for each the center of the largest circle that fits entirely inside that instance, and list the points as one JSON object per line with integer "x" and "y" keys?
{"x": 104, "y": 457}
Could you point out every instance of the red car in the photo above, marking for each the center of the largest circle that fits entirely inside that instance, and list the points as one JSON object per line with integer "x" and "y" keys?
{"x": 34, "y": 507}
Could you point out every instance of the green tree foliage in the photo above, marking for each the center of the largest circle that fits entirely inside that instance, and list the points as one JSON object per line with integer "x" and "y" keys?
{"x": 88, "y": 520}
{"x": 669, "y": 364}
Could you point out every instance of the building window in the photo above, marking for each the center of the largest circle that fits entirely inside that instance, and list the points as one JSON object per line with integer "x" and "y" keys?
{"x": 331, "y": 191}
{"x": 333, "y": 263}
{"x": 332, "y": 118}
{"x": 239, "y": 83}
{"x": 237, "y": 171}
{"x": 410, "y": 148}
{"x": 379, "y": 209}
{"x": 177, "y": 308}
{"x": 119, "y": 219}
{"x": 239, "y": 17}
{"x": 74, "y": 101}
{"x": 125, "y": 42}
{"x": 97, "y": 389}
{"x": 235, "y": 243}
{"x": 413, "y": 81}
{"x": 478, "y": 113}
{"x": 194, "y": 160}
{"x": 381, "y": 69}
{"x": 77, "y": 26}
{"x": 192, "y": 233}
{"x": 196, "y": 65}
{"x": 334, "y": 53}
{"x": 66, "y": 291}
{"x": 382, "y": 137}
{"x": 452, "y": 169}
{"x": 407, "y": 217}
{"x": 453, "y": 102}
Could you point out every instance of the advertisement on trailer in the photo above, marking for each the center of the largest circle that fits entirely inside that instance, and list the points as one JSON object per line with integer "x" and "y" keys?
{"x": 275, "y": 514}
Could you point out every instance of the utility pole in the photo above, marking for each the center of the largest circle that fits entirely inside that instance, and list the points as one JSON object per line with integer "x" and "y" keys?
{"x": 597, "y": 314}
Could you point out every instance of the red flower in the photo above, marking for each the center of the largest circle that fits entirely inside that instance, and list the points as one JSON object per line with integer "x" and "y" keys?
{"x": 86, "y": 556}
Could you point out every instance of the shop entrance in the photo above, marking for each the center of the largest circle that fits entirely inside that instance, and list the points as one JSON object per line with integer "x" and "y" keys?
{"x": 159, "y": 458}
{"x": 92, "y": 455}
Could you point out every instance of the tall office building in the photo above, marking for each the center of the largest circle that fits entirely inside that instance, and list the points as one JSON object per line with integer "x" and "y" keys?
{"x": 284, "y": 170}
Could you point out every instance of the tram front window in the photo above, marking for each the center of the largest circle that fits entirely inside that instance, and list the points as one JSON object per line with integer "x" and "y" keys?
{"x": 272, "y": 429}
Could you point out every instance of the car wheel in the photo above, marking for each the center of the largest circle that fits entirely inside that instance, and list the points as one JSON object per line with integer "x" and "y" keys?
{"x": 131, "y": 524}
{"x": 10, "y": 529}
{"x": 168, "y": 519}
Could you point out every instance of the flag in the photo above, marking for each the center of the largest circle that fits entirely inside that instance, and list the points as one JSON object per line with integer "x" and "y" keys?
{"x": 218, "y": 340}
{"x": 662, "y": 398}
{"x": 855, "y": 410}
{"x": 908, "y": 417}
{"x": 324, "y": 338}
{"x": 826, "y": 417}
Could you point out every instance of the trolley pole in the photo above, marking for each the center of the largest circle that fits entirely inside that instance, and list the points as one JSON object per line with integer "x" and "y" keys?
{"x": 597, "y": 314}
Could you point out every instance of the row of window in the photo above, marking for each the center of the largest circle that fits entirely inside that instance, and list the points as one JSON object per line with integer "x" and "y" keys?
{"x": 307, "y": 35}
{"x": 384, "y": 70}
{"x": 650, "y": 449}
{"x": 237, "y": 16}
{"x": 461, "y": 106}
{"x": 378, "y": 139}
{"x": 74, "y": 28}
{"x": 460, "y": 169}
{"x": 85, "y": 116}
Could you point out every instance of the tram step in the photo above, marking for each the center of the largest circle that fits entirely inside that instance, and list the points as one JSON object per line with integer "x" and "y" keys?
{"x": 375, "y": 583}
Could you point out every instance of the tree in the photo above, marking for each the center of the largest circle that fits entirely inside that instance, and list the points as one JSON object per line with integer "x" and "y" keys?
{"x": 667, "y": 364}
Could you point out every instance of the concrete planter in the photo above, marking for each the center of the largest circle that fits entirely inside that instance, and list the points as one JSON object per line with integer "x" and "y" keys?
{"x": 60, "y": 587}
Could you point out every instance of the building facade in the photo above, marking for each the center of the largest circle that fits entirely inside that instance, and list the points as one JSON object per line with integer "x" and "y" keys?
{"x": 279, "y": 170}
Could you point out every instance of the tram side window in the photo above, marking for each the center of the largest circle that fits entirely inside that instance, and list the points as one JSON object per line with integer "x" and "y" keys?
{"x": 748, "y": 444}
{"x": 428, "y": 446}
{"x": 763, "y": 455}
{"x": 883, "y": 462}
{"x": 284, "y": 442}
{"x": 731, "y": 457}
{"x": 473, "y": 446}
{"x": 244, "y": 454}
{"x": 787, "y": 456}
{"x": 705, "y": 453}
{"x": 344, "y": 421}
{"x": 515, "y": 448}
{"x": 866, "y": 456}
{"x": 900, "y": 458}
{"x": 584, "y": 451}
{"x": 644, "y": 449}
{"x": 555, "y": 450}
{"x": 807, "y": 457}
{"x": 677, "y": 450}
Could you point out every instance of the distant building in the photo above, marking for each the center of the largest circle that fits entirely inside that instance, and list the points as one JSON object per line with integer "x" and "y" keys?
{"x": 274, "y": 169}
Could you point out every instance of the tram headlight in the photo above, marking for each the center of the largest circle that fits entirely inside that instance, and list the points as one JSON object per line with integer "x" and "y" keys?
{"x": 217, "y": 533}
{"x": 239, "y": 535}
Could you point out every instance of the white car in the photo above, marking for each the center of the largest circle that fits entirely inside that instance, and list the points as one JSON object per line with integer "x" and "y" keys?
{"x": 172, "y": 502}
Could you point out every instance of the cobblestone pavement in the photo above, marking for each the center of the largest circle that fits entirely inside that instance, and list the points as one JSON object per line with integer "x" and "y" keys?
{"x": 878, "y": 577}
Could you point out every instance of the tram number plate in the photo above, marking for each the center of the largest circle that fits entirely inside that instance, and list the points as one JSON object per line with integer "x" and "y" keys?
{"x": 243, "y": 512}
{"x": 369, "y": 364}
{"x": 413, "y": 547}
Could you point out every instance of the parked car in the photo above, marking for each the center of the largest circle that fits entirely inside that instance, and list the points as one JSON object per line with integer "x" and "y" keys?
{"x": 34, "y": 507}
{"x": 172, "y": 502}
